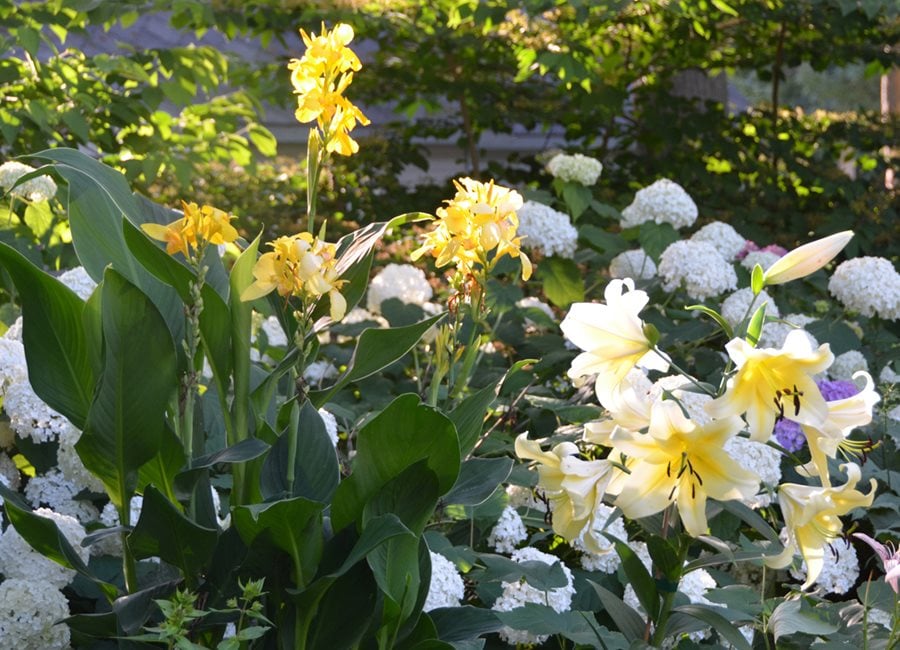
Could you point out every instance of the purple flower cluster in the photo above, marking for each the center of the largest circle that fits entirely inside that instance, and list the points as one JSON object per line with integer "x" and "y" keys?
{"x": 788, "y": 433}
{"x": 752, "y": 247}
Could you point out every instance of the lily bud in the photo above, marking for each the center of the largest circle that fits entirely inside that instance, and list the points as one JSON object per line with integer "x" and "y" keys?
{"x": 806, "y": 259}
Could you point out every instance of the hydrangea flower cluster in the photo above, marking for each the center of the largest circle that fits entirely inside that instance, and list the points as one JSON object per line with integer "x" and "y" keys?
{"x": 39, "y": 188}
{"x": 762, "y": 257}
{"x": 405, "y": 282}
{"x": 517, "y": 594}
{"x": 840, "y": 573}
{"x": 698, "y": 267}
{"x": 741, "y": 304}
{"x": 633, "y": 264}
{"x": 846, "y": 365}
{"x": 723, "y": 237}
{"x": 869, "y": 285}
{"x": 19, "y": 560}
{"x": 447, "y": 588}
{"x": 547, "y": 230}
{"x": 31, "y": 616}
{"x": 575, "y": 168}
{"x": 508, "y": 532}
{"x": 664, "y": 201}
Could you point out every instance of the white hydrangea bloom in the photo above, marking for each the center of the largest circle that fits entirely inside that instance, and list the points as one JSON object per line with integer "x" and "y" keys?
{"x": 723, "y": 237}
{"x": 888, "y": 376}
{"x": 78, "y": 280}
{"x": 664, "y": 201}
{"x": 69, "y": 462}
{"x": 737, "y": 305}
{"x": 607, "y": 561}
{"x": 547, "y": 230}
{"x": 635, "y": 264}
{"x": 523, "y": 497}
{"x": 517, "y": 594}
{"x": 13, "y": 367}
{"x": 54, "y": 491}
{"x": 840, "y": 570}
{"x": 508, "y": 532}
{"x": 800, "y": 320}
{"x": 274, "y": 332}
{"x": 40, "y": 188}
{"x": 29, "y": 416}
{"x": 9, "y": 474}
{"x": 882, "y": 618}
{"x": 447, "y": 588}
{"x": 318, "y": 372}
{"x": 19, "y": 560}
{"x": 695, "y": 584}
{"x": 112, "y": 544}
{"x": 575, "y": 168}
{"x": 331, "y": 427}
{"x": 30, "y": 611}
{"x": 774, "y": 334}
{"x": 360, "y": 315}
{"x": 698, "y": 267}
{"x": 869, "y": 285}
{"x": 762, "y": 460}
{"x": 14, "y": 332}
{"x": 764, "y": 258}
{"x": 535, "y": 303}
{"x": 846, "y": 364}
{"x": 405, "y": 282}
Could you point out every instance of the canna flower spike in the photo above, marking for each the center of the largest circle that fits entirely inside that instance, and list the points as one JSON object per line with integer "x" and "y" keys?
{"x": 198, "y": 227}
{"x": 320, "y": 79}
{"x": 806, "y": 259}
{"x": 475, "y": 229}
{"x": 299, "y": 265}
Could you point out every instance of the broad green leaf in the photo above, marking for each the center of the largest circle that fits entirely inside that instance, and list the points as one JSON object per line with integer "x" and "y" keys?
{"x": 628, "y": 620}
{"x": 541, "y": 619}
{"x": 376, "y": 349}
{"x": 305, "y": 466}
{"x": 133, "y": 610}
{"x": 163, "y": 531}
{"x": 640, "y": 579}
{"x": 478, "y": 478}
{"x": 656, "y": 237}
{"x": 98, "y": 198}
{"x": 792, "y": 616}
{"x": 126, "y": 420}
{"x": 344, "y": 612}
{"x": 293, "y": 525}
{"x": 468, "y": 416}
{"x": 375, "y": 532}
{"x": 665, "y": 559}
{"x": 540, "y": 575}
{"x": 563, "y": 281}
{"x": 404, "y": 433}
{"x": 53, "y": 332}
{"x": 462, "y": 623}
{"x": 39, "y": 218}
{"x": 578, "y": 198}
{"x": 718, "y": 622}
{"x": 243, "y": 451}
{"x": 44, "y": 536}
{"x": 602, "y": 241}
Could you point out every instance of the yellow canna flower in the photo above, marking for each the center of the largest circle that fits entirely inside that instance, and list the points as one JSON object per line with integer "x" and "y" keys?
{"x": 812, "y": 518}
{"x": 806, "y": 259}
{"x": 612, "y": 336}
{"x": 844, "y": 415}
{"x": 299, "y": 265}
{"x": 772, "y": 383}
{"x": 573, "y": 486}
{"x": 198, "y": 227}
{"x": 678, "y": 460}
{"x": 320, "y": 79}
{"x": 476, "y": 228}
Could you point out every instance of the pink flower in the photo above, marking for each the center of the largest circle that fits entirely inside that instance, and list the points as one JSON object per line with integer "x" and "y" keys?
{"x": 890, "y": 558}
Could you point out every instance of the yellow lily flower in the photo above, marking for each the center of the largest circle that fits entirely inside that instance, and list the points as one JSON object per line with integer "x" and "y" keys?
{"x": 844, "y": 415}
{"x": 677, "y": 460}
{"x": 573, "y": 486}
{"x": 772, "y": 383}
{"x": 806, "y": 259}
{"x": 812, "y": 518}
{"x": 612, "y": 337}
